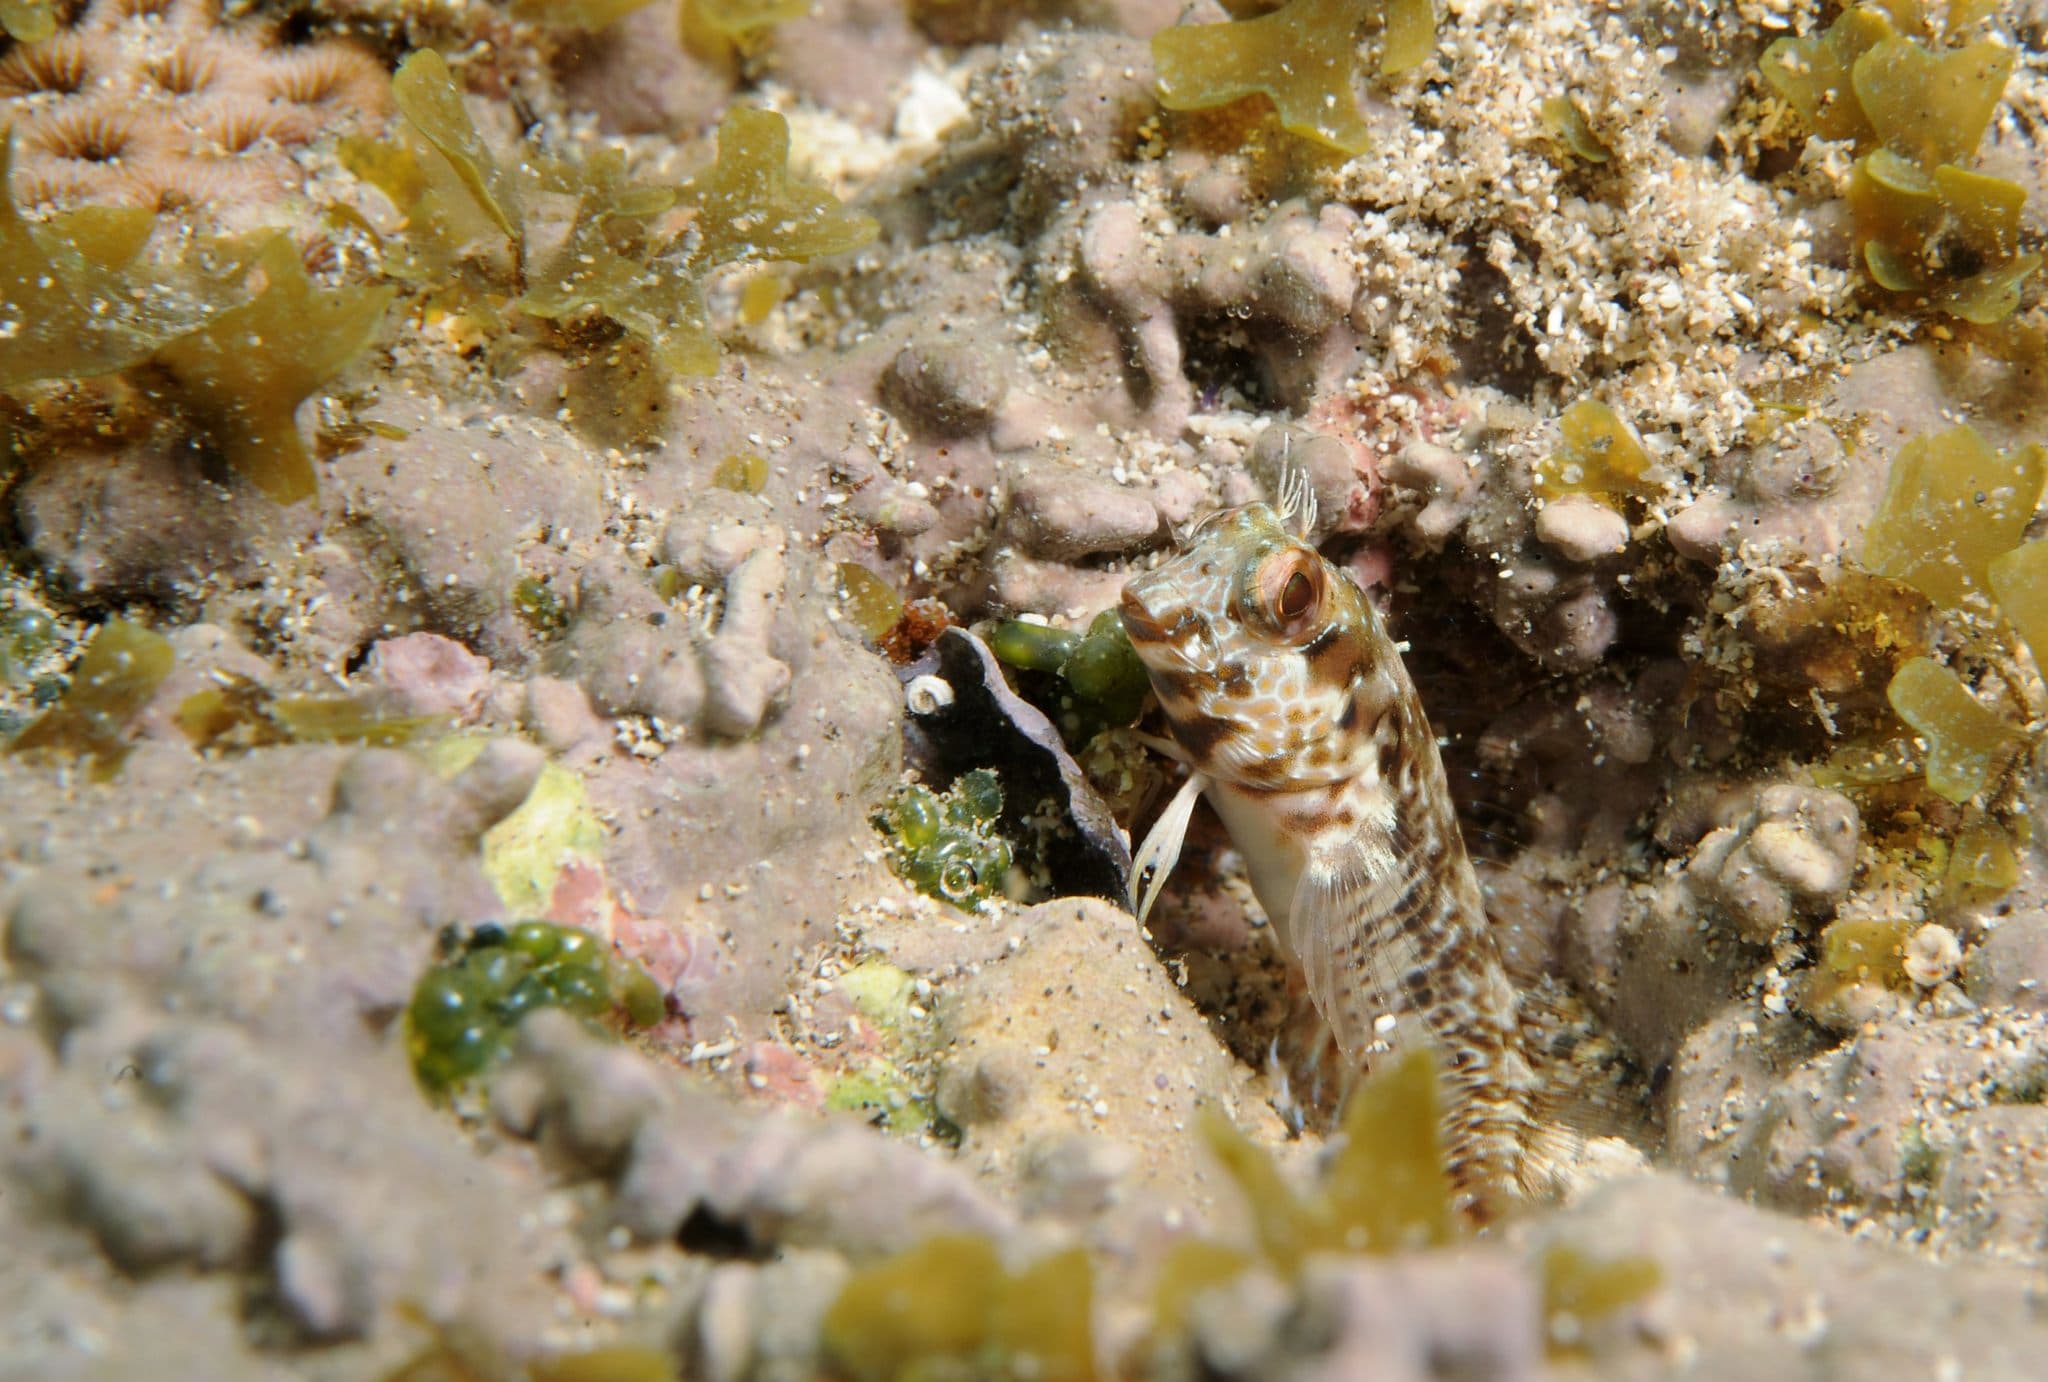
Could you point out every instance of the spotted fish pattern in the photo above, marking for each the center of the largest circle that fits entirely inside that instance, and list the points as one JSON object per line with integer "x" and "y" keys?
{"x": 1291, "y": 707}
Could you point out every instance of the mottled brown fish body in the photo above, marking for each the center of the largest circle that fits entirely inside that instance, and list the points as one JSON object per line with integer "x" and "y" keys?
{"x": 1303, "y": 729}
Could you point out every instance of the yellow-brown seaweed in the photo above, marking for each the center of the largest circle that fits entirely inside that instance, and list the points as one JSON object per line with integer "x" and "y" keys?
{"x": 1302, "y": 57}
{"x": 947, "y": 1307}
{"x": 1599, "y": 455}
{"x": 1952, "y": 504}
{"x": 2019, "y": 580}
{"x": 244, "y": 373}
{"x": 1966, "y": 742}
{"x": 119, "y": 671}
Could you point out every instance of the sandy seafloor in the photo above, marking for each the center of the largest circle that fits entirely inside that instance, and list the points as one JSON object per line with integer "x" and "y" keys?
{"x": 1084, "y": 322}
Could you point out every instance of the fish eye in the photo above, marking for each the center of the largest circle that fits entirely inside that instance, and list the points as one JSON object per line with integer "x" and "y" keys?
{"x": 1290, "y": 592}
{"x": 1296, "y": 597}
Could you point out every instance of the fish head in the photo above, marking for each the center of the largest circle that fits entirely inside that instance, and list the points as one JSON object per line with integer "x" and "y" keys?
{"x": 1260, "y": 651}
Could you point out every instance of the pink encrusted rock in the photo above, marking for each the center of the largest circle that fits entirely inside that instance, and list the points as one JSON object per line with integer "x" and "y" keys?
{"x": 779, "y": 1074}
{"x": 430, "y": 675}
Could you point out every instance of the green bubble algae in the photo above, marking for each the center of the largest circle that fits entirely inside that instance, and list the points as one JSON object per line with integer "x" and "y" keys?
{"x": 946, "y": 844}
{"x": 467, "y": 1006}
{"x": 1101, "y": 682}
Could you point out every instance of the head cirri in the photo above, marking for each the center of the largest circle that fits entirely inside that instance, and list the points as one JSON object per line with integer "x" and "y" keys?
{"x": 1261, "y": 652}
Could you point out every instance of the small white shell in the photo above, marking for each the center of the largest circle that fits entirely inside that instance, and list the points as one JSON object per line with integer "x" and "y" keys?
{"x": 1932, "y": 954}
{"x": 928, "y": 695}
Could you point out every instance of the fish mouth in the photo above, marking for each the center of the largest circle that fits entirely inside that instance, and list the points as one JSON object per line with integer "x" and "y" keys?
{"x": 1138, "y": 621}
{"x": 1163, "y": 645}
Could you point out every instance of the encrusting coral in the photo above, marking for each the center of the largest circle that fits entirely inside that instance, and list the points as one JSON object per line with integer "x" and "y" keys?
{"x": 170, "y": 105}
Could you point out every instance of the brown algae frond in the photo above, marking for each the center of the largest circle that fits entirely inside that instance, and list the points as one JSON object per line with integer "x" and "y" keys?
{"x": 587, "y": 16}
{"x": 118, "y": 673}
{"x": 2019, "y": 582}
{"x": 1386, "y": 1191}
{"x": 240, "y": 714}
{"x": 1949, "y": 525}
{"x": 1952, "y": 504}
{"x": 1965, "y": 741}
{"x": 244, "y": 373}
{"x": 739, "y": 20}
{"x": 28, "y": 21}
{"x": 1302, "y": 57}
{"x": 1925, "y": 224}
{"x": 1567, "y": 124}
{"x": 1598, "y": 455}
{"x": 871, "y": 603}
{"x": 426, "y": 94}
{"x": 623, "y": 260}
{"x": 230, "y": 331}
{"x": 949, "y": 1308}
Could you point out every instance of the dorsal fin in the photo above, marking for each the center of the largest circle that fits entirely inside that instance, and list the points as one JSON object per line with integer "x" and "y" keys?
{"x": 1297, "y": 500}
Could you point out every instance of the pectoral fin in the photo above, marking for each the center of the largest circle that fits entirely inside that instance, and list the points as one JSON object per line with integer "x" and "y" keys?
{"x": 1350, "y": 924}
{"x": 1161, "y": 850}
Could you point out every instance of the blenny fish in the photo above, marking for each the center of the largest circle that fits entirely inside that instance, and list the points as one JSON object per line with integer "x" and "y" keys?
{"x": 1295, "y": 716}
